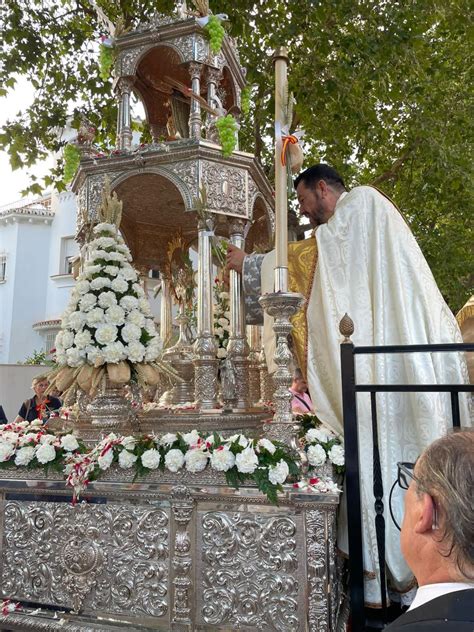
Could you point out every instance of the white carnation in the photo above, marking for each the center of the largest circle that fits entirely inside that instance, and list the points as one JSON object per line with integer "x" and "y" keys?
{"x": 277, "y": 474}
{"x": 336, "y": 455}
{"x": 24, "y": 455}
{"x": 131, "y": 332}
{"x": 119, "y": 285}
{"x": 83, "y": 339}
{"x": 196, "y": 460}
{"x": 45, "y": 453}
{"x": 129, "y": 274}
{"x": 103, "y": 227}
{"x": 105, "y": 334}
{"x": 224, "y": 296}
{"x": 136, "y": 318}
{"x": 135, "y": 351}
{"x": 144, "y": 305}
{"x": 99, "y": 283}
{"x": 111, "y": 270}
{"x": 104, "y": 242}
{"x": 247, "y": 461}
{"x": 223, "y": 322}
{"x": 222, "y": 459}
{"x": 114, "y": 352}
{"x": 87, "y": 302}
{"x": 129, "y": 442}
{"x": 191, "y": 438}
{"x": 221, "y": 353}
{"x": 47, "y": 438}
{"x": 68, "y": 338}
{"x": 316, "y": 455}
{"x": 107, "y": 299}
{"x": 129, "y": 303}
{"x": 151, "y": 459}
{"x": 174, "y": 460}
{"x": 316, "y": 434}
{"x": 69, "y": 443}
{"x": 75, "y": 357}
{"x": 89, "y": 270}
{"x": 6, "y": 450}
{"x": 95, "y": 356}
{"x": 95, "y": 316}
{"x": 153, "y": 351}
{"x": 268, "y": 445}
{"x": 76, "y": 320}
{"x": 105, "y": 461}
{"x": 137, "y": 288}
{"x": 61, "y": 358}
{"x": 82, "y": 287}
{"x": 115, "y": 315}
{"x": 126, "y": 459}
{"x": 219, "y": 331}
{"x": 168, "y": 439}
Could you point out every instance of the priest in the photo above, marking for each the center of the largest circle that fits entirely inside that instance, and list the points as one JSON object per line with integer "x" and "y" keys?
{"x": 363, "y": 259}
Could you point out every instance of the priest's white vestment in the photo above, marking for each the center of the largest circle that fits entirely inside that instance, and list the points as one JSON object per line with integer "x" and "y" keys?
{"x": 370, "y": 266}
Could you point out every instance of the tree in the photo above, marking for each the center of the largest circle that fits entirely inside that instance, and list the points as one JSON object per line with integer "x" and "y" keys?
{"x": 382, "y": 91}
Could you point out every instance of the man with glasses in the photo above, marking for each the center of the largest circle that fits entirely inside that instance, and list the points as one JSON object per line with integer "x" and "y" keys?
{"x": 437, "y": 535}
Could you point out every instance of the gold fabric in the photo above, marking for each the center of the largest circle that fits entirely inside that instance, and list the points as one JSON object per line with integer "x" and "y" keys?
{"x": 302, "y": 260}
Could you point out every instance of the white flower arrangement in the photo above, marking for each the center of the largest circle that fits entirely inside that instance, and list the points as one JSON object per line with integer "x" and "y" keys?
{"x": 321, "y": 444}
{"x": 221, "y": 322}
{"x": 108, "y": 320}
{"x": 268, "y": 464}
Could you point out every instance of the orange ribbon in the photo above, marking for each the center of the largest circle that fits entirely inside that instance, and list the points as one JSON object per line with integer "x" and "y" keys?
{"x": 287, "y": 140}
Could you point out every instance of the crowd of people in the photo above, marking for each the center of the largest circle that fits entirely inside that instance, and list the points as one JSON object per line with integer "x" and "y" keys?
{"x": 40, "y": 406}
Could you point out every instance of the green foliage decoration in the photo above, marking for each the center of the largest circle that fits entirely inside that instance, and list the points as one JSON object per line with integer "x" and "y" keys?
{"x": 72, "y": 158}
{"x": 227, "y": 129}
{"x": 106, "y": 61}
{"x": 216, "y": 33}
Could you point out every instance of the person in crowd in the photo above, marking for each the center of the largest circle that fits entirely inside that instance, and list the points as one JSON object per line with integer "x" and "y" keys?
{"x": 362, "y": 259}
{"x": 40, "y": 406}
{"x": 301, "y": 401}
{"x": 437, "y": 536}
{"x": 3, "y": 417}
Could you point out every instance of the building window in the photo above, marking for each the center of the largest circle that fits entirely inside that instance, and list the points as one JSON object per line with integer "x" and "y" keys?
{"x": 69, "y": 250}
{"x": 3, "y": 267}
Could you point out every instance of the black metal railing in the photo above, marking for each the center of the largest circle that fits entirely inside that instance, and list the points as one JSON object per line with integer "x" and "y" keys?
{"x": 350, "y": 388}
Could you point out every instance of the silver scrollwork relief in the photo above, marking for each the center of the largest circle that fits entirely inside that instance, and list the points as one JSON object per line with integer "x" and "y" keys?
{"x": 92, "y": 557}
{"x": 226, "y": 188}
{"x": 182, "y": 505}
{"x": 249, "y": 571}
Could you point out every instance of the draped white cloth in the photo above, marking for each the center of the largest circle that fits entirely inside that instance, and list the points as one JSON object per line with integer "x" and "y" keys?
{"x": 370, "y": 266}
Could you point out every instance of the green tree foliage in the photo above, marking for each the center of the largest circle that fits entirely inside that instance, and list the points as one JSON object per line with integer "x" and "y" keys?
{"x": 382, "y": 90}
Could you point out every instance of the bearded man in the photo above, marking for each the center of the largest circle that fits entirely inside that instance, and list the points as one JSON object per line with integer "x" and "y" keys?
{"x": 363, "y": 259}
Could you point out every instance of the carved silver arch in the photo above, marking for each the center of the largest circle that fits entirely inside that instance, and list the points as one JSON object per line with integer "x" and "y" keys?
{"x": 179, "y": 183}
{"x": 128, "y": 60}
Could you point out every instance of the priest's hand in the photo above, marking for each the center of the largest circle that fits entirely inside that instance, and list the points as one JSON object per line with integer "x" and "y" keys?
{"x": 235, "y": 258}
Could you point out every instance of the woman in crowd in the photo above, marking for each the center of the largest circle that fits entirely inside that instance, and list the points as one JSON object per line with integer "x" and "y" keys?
{"x": 40, "y": 406}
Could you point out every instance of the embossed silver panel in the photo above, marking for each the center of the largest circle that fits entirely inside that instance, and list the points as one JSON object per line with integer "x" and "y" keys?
{"x": 110, "y": 557}
{"x": 250, "y": 570}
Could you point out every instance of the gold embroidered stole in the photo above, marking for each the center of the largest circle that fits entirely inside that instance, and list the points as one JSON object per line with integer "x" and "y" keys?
{"x": 302, "y": 261}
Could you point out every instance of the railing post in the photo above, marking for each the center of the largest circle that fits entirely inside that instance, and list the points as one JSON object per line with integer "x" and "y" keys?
{"x": 351, "y": 447}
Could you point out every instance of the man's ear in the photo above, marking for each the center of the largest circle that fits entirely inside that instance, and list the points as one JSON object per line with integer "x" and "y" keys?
{"x": 424, "y": 522}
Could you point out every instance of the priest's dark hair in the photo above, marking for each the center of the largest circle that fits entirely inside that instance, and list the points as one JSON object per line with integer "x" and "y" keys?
{"x": 313, "y": 174}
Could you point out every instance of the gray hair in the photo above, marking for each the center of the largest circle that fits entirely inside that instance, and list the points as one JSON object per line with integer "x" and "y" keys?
{"x": 446, "y": 472}
{"x": 298, "y": 374}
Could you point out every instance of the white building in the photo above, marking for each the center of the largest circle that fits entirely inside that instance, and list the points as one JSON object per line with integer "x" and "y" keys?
{"x": 36, "y": 248}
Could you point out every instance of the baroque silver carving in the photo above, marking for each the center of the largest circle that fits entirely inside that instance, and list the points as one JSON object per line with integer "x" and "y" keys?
{"x": 91, "y": 557}
{"x": 226, "y": 188}
{"x": 249, "y": 571}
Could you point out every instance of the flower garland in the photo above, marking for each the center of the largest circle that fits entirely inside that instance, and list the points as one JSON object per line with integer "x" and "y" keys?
{"x": 320, "y": 444}
{"x": 221, "y": 317}
{"x": 266, "y": 463}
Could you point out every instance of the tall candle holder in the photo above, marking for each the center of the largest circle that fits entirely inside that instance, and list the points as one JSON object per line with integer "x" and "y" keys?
{"x": 281, "y": 306}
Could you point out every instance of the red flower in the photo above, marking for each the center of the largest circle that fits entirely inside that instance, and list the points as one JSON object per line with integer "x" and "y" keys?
{"x": 296, "y": 485}
{"x": 313, "y": 481}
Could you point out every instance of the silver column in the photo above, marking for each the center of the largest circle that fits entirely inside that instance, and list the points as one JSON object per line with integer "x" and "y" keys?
{"x": 118, "y": 99}
{"x": 165, "y": 310}
{"x": 205, "y": 348}
{"x": 238, "y": 348}
{"x": 125, "y": 87}
{"x": 195, "y": 116}
{"x": 254, "y": 340}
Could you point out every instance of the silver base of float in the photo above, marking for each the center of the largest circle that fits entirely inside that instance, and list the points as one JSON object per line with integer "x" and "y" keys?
{"x": 166, "y": 552}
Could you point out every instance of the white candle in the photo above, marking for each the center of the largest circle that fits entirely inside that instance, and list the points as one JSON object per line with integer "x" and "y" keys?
{"x": 281, "y": 194}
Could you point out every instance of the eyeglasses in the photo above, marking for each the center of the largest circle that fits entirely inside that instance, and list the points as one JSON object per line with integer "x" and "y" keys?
{"x": 405, "y": 475}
